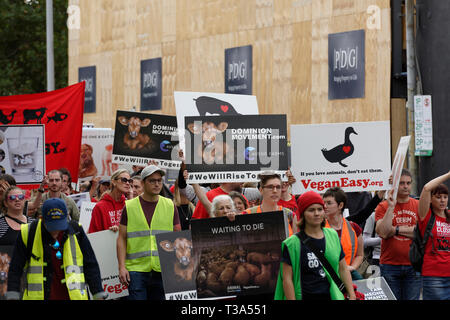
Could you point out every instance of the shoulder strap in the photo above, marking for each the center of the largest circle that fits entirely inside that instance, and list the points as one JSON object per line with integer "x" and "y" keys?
{"x": 428, "y": 228}
{"x": 305, "y": 241}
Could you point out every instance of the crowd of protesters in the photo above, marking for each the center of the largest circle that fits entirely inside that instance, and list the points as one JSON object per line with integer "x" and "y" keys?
{"x": 360, "y": 229}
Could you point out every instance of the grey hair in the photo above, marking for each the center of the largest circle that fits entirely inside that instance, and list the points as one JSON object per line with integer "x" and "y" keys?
{"x": 220, "y": 198}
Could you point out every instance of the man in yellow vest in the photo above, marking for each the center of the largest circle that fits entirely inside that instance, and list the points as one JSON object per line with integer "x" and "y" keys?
{"x": 57, "y": 259}
{"x": 142, "y": 218}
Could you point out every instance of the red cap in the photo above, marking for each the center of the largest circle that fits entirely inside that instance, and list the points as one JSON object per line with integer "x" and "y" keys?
{"x": 307, "y": 199}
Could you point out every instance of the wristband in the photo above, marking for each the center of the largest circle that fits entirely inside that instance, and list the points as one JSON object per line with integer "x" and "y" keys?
{"x": 40, "y": 190}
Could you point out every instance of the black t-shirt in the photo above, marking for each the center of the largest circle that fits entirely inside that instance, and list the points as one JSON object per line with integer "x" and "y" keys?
{"x": 315, "y": 285}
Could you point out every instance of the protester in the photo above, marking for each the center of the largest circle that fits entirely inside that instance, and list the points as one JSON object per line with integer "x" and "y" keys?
{"x": 435, "y": 269}
{"x": 59, "y": 258}
{"x": 270, "y": 188}
{"x": 395, "y": 221}
{"x": 107, "y": 212}
{"x": 372, "y": 241}
{"x": 287, "y": 200}
{"x": 14, "y": 202}
{"x": 137, "y": 251}
{"x": 239, "y": 201}
{"x": 6, "y": 181}
{"x": 349, "y": 232}
{"x": 136, "y": 186}
{"x": 223, "y": 206}
{"x": 184, "y": 206}
{"x": 301, "y": 275}
{"x": 100, "y": 186}
{"x": 66, "y": 182}
{"x": 54, "y": 181}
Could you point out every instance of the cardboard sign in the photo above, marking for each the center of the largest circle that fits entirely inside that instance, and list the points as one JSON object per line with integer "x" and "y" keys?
{"x": 22, "y": 152}
{"x": 140, "y": 137}
{"x": 86, "y": 214}
{"x": 235, "y": 148}
{"x": 104, "y": 245}
{"x": 207, "y": 103}
{"x": 178, "y": 265}
{"x": 354, "y": 156}
{"x": 399, "y": 161}
{"x": 375, "y": 289}
{"x": 240, "y": 257}
{"x": 346, "y": 65}
{"x": 79, "y": 198}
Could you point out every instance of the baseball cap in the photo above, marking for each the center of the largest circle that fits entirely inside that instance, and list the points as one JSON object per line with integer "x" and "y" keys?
{"x": 54, "y": 214}
{"x": 149, "y": 170}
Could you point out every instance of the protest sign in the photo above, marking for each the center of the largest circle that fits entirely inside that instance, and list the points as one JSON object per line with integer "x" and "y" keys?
{"x": 79, "y": 198}
{"x": 178, "y": 265}
{"x": 235, "y": 148}
{"x": 6, "y": 253}
{"x": 86, "y": 214}
{"x": 22, "y": 152}
{"x": 354, "y": 156}
{"x": 141, "y": 137}
{"x": 62, "y": 113}
{"x": 375, "y": 289}
{"x": 240, "y": 257}
{"x": 104, "y": 246}
{"x": 208, "y": 103}
{"x": 399, "y": 160}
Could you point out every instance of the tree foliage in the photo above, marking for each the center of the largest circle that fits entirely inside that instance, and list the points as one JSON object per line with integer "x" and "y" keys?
{"x": 23, "y": 60}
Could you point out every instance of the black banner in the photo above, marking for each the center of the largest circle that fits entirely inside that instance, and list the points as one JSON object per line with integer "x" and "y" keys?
{"x": 151, "y": 84}
{"x": 88, "y": 74}
{"x": 238, "y": 70}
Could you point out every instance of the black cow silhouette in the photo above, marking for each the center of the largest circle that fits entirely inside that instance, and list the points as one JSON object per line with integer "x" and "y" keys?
{"x": 214, "y": 106}
{"x": 5, "y": 119}
{"x": 57, "y": 117}
{"x": 33, "y": 114}
{"x": 342, "y": 151}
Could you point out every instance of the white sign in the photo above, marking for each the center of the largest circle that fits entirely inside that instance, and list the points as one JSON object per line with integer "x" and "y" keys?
{"x": 354, "y": 156}
{"x": 423, "y": 126}
{"x": 207, "y": 103}
{"x": 399, "y": 160}
{"x": 375, "y": 289}
{"x": 86, "y": 214}
{"x": 104, "y": 245}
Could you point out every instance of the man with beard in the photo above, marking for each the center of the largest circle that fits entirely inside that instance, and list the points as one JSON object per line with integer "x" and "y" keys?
{"x": 224, "y": 188}
{"x": 137, "y": 253}
{"x": 54, "y": 181}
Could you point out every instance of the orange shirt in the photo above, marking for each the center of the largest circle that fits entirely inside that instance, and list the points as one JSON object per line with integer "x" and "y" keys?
{"x": 395, "y": 250}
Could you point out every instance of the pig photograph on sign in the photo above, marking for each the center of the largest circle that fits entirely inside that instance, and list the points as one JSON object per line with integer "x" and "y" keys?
{"x": 140, "y": 137}
{"x": 354, "y": 156}
{"x": 208, "y": 104}
{"x": 240, "y": 257}
{"x": 178, "y": 265}
{"x": 235, "y": 148}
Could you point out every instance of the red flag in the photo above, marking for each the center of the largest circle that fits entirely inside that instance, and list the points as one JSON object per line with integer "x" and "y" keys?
{"x": 61, "y": 111}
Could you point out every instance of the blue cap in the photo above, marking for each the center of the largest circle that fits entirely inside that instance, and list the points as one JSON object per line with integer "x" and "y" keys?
{"x": 54, "y": 214}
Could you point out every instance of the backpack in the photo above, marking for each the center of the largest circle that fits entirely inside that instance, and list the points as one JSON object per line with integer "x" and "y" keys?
{"x": 417, "y": 248}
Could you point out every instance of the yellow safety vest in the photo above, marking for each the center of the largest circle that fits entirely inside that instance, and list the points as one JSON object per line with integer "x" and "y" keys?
{"x": 142, "y": 250}
{"x": 72, "y": 263}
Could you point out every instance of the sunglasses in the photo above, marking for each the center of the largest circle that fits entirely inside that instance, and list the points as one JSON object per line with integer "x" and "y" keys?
{"x": 13, "y": 197}
{"x": 56, "y": 246}
{"x": 125, "y": 180}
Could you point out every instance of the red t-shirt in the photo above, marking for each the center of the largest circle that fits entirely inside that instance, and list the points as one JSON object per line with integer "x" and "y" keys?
{"x": 436, "y": 261}
{"x": 290, "y": 204}
{"x": 200, "y": 212}
{"x": 395, "y": 250}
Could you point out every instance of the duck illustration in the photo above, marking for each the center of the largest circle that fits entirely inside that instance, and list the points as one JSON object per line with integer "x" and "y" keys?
{"x": 342, "y": 151}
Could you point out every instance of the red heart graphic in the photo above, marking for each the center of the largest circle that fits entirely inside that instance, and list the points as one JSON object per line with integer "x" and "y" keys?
{"x": 346, "y": 149}
{"x": 224, "y": 108}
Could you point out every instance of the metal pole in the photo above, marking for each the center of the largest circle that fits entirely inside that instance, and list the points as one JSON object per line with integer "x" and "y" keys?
{"x": 411, "y": 86}
{"x": 50, "y": 56}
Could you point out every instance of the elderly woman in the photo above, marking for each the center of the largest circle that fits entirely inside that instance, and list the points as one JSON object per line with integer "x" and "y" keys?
{"x": 223, "y": 206}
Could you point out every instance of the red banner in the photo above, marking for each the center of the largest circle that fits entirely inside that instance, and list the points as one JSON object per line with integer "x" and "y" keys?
{"x": 61, "y": 111}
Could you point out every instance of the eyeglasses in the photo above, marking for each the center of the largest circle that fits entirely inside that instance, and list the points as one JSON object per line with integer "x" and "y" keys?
{"x": 125, "y": 180}
{"x": 56, "y": 246}
{"x": 13, "y": 197}
{"x": 270, "y": 186}
{"x": 154, "y": 181}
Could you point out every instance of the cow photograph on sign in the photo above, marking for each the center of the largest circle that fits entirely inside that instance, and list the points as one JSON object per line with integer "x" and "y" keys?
{"x": 140, "y": 137}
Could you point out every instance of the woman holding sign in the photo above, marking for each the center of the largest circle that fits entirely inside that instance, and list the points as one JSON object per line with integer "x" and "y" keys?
{"x": 435, "y": 271}
{"x": 302, "y": 274}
